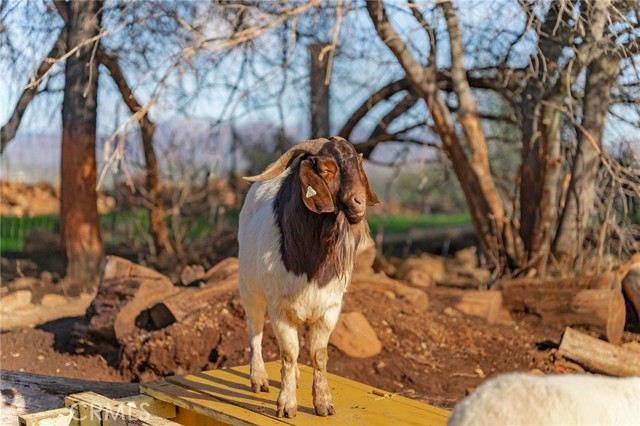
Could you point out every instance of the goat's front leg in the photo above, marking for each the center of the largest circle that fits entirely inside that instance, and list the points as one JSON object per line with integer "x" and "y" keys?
{"x": 255, "y": 308}
{"x": 319, "y": 339}
{"x": 287, "y": 334}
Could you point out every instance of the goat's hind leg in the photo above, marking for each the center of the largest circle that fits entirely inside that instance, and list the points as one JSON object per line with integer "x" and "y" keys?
{"x": 255, "y": 308}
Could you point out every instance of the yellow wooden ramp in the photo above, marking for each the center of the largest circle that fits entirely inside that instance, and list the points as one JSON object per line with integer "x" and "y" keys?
{"x": 224, "y": 397}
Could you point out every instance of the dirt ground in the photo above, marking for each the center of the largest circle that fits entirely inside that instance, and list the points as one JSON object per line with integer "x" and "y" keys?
{"x": 436, "y": 355}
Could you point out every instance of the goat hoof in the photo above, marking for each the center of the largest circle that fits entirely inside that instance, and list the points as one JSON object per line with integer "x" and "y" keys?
{"x": 325, "y": 410}
{"x": 260, "y": 384}
{"x": 287, "y": 411}
{"x": 260, "y": 387}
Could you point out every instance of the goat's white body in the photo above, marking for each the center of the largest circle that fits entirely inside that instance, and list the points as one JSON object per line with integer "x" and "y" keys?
{"x": 523, "y": 399}
{"x": 266, "y": 285}
{"x": 262, "y": 270}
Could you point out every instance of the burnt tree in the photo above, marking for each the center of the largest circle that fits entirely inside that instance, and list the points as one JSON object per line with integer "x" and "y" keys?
{"x": 79, "y": 220}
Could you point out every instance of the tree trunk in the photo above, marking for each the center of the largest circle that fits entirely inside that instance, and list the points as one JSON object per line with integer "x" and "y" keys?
{"x": 158, "y": 226}
{"x": 320, "y": 95}
{"x": 157, "y": 223}
{"x": 473, "y": 171}
{"x": 79, "y": 221}
{"x": 601, "y": 76}
{"x": 540, "y": 167}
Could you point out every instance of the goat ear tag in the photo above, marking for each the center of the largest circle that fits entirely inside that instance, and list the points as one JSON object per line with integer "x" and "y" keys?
{"x": 310, "y": 192}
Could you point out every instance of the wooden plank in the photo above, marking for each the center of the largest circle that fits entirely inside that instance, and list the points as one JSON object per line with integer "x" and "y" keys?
{"x": 355, "y": 403}
{"x": 58, "y": 417}
{"x": 201, "y": 403}
{"x": 150, "y": 405}
{"x": 97, "y": 410}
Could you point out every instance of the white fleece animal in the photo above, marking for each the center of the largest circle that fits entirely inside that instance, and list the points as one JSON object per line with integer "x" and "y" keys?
{"x": 524, "y": 399}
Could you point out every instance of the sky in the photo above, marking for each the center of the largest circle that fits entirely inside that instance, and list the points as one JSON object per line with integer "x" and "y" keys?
{"x": 214, "y": 89}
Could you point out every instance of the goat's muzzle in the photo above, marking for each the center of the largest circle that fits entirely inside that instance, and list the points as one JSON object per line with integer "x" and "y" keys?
{"x": 356, "y": 207}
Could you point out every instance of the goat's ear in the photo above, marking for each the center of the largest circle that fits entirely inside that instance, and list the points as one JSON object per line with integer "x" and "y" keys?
{"x": 315, "y": 192}
{"x": 372, "y": 198}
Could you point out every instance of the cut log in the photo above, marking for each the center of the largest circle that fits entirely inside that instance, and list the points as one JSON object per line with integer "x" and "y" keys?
{"x": 224, "y": 269}
{"x": 39, "y": 314}
{"x": 124, "y": 292}
{"x": 482, "y": 304}
{"x": 177, "y": 307}
{"x": 221, "y": 278}
{"x": 602, "y": 309}
{"x": 30, "y": 393}
{"x": 598, "y": 356}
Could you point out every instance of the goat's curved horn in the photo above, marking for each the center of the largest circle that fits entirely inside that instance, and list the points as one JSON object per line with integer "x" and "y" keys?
{"x": 312, "y": 146}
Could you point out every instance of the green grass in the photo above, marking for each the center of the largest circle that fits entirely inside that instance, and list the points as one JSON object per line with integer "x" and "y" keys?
{"x": 116, "y": 227}
{"x": 130, "y": 225}
{"x": 405, "y": 222}
{"x": 13, "y": 229}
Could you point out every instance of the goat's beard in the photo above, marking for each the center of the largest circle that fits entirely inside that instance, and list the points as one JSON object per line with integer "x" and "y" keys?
{"x": 343, "y": 238}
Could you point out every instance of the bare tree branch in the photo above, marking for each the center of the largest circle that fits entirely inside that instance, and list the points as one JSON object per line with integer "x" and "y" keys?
{"x": 9, "y": 129}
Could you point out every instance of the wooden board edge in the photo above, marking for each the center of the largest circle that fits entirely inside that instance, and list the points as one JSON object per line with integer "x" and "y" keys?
{"x": 57, "y": 417}
{"x": 167, "y": 392}
{"x": 99, "y": 408}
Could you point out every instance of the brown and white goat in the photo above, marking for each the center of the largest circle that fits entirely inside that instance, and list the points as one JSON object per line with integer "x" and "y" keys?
{"x": 300, "y": 227}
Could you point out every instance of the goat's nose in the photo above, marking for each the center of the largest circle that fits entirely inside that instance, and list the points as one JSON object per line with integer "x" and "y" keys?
{"x": 359, "y": 199}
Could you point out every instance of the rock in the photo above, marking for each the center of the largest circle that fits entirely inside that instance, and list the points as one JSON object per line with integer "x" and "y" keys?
{"x": 53, "y": 300}
{"x": 450, "y": 312}
{"x": 381, "y": 264}
{"x": 15, "y": 300}
{"x": 365, "y": 256}
{"x": 355, "y": 337}
{"x": 422, "y": 271}
{"x": 467, "y": 256}
{"x": 41, "y": 240}
{"x": 191, "y": 273}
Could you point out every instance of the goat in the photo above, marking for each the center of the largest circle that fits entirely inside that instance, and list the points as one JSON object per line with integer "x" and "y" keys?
{"x": 299, "y": 230}
{"x": 524, "y": 399}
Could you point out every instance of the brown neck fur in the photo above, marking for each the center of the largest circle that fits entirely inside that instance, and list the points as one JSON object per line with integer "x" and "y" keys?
{"x": 322, "y": 246}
